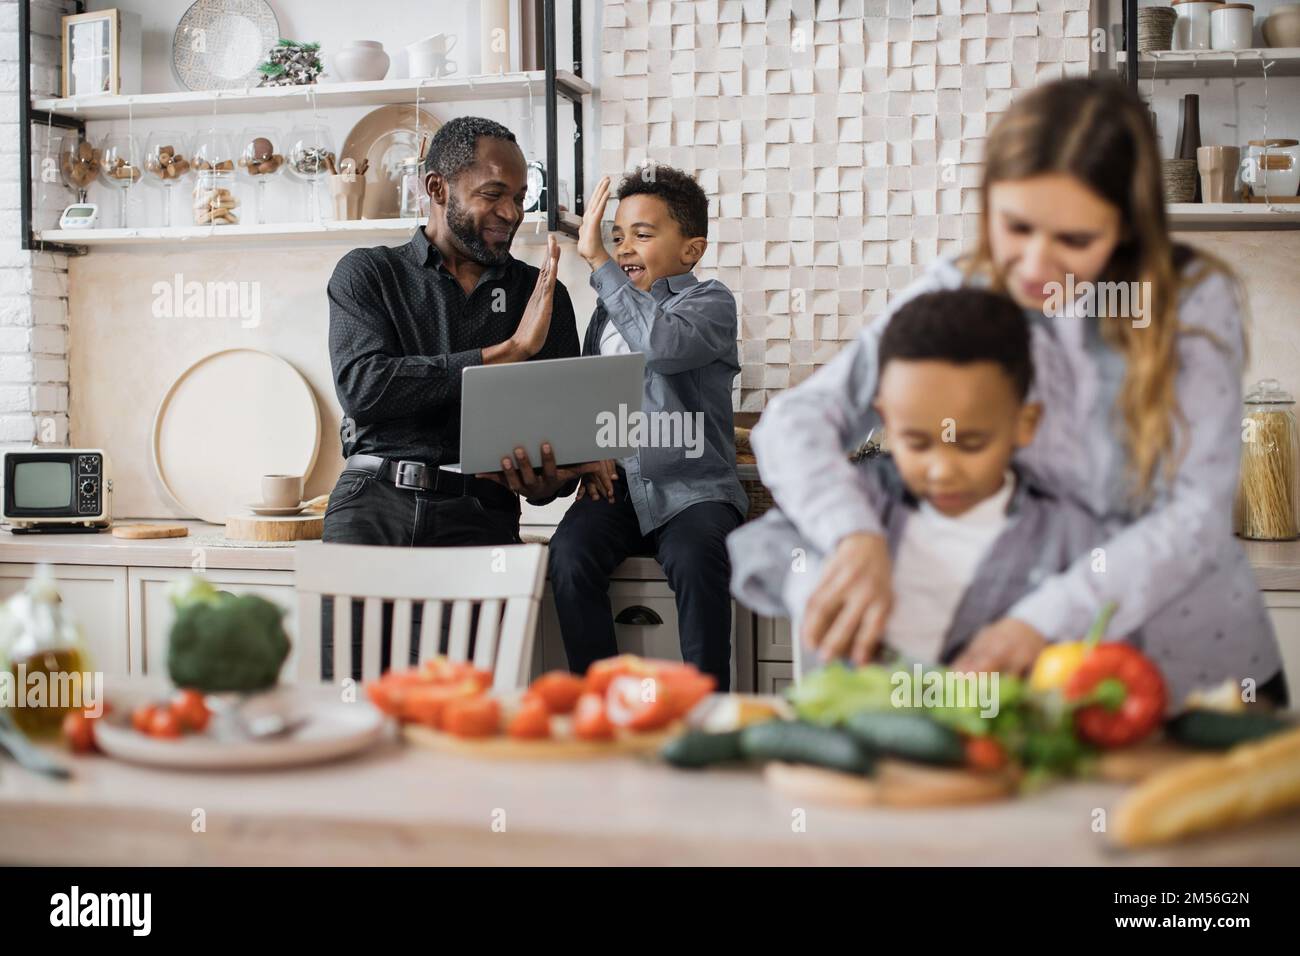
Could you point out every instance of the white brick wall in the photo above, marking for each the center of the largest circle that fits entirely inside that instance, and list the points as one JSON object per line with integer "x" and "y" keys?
{"x": 33, "y": 285}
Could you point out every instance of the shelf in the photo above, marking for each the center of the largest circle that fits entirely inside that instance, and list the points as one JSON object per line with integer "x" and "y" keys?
{"x": 1203, "y": 64}
{"x": 532, "y": 230}
{"x": 1232, "y": 215}
{"x": 326, "y": 95}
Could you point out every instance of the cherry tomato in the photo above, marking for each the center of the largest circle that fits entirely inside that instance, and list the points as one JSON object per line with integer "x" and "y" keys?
{"x": 985, "y": 754}
{"x": 142, "y": 717}
{"x": 164, "y": 724}
{"x": 559, "y": 690}
{"x": 532, "y": 721}
{"x": 476, "y": 716}
{"x": 191, "y": 711}
{"x": 79, "y": 732}
{"x": 590, "y": 721}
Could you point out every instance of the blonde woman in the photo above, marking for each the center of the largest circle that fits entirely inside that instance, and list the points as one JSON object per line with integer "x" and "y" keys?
{"x": 1139, "y": 351}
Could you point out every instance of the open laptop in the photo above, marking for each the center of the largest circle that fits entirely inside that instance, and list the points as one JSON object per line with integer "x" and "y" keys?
{"x": 579, "y": 405}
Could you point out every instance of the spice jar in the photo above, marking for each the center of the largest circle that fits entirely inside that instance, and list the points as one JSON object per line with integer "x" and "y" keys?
{"x": 214, "y": 198}
{"x": 1267, "y": 490}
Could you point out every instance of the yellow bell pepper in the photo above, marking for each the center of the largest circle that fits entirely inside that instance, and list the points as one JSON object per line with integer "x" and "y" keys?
{"x": 1057, "y": 663}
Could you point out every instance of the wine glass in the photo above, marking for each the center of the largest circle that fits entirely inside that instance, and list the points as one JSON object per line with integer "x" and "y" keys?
{"x": 258, "y": 158}
{"x": 167, "y": 161}
{"x": 119, "y": 167}
{"x": 79, "y": 161}
{"x": 311, "y": 158}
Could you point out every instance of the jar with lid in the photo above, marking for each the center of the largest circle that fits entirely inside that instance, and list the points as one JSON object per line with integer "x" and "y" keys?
{"x": 415, "y": 201}
{"x": 1267, "y": 489}
{"x": 215, "y": 200}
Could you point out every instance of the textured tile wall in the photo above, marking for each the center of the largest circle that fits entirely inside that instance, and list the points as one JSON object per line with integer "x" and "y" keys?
{"x": 839, "y": 142}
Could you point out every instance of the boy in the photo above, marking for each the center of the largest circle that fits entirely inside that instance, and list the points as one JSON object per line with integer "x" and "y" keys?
{"x": 969, "y": 533}
{"x": 676, "y": 499}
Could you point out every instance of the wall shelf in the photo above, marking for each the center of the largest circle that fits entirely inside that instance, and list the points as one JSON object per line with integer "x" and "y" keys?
{"x": 1231, "y": 215}
{"x": 1205, "y": 64}
{"x": 505, "y": 86}
{"x": 532, "y": 230}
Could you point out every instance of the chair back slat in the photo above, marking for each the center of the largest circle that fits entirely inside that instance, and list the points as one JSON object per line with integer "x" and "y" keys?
{"x": 402, "y": 628}
{"x": 485, "y": 636}
{"x": 430, "y": 630}
{"x": 458, "y": 639}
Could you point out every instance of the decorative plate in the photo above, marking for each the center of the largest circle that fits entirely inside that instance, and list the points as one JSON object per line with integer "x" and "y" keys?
{"x": 219, "y": 44}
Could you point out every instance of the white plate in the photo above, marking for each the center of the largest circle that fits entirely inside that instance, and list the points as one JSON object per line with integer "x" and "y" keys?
{"x": 226, "y": 421}
{"x": 332, "y": 729}
{"x": 274, "y": 512}
{"x": 219, "y": 44}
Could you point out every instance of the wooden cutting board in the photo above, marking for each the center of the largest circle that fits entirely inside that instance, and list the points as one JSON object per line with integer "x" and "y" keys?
{"x": 141, "y": 531}
{"x": 302, "y": 527}
{"x": 896, "y": 783}
{"x": 561, "y": 746}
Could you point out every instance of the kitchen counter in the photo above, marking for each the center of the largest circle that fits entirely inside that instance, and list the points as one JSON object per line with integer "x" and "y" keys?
{"x": 403, "y": 805}
{"x": 1276, "y": 564}
{"x": 104, "y": 549}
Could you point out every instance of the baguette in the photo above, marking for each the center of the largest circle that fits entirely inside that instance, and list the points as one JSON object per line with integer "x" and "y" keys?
{"x": 1247, "y": 783}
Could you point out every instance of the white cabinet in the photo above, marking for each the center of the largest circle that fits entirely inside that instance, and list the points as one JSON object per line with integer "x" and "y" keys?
{"x": 772, "y": 641}
{"x": 774, "y": 677}
{"x": 1284, "y": 609}
{"x": 97, "y": 596}
{"x": 151, "y": 613}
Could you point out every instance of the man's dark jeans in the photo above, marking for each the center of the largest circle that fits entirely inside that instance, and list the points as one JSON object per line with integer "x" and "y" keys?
{"x": 595, "y": 537}
{"x": 365, "y": 509}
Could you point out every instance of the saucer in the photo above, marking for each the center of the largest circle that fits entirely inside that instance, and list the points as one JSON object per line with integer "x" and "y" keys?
{"x": 272, "y": 512}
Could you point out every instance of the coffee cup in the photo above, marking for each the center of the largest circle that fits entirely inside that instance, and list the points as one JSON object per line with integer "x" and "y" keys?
{"x": 428, "y": 57}
{"x": 282, "y": 491}
{"x": 1218, "y": 168}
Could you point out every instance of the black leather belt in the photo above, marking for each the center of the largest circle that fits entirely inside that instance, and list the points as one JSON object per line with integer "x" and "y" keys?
{"x": 417, "y": 476}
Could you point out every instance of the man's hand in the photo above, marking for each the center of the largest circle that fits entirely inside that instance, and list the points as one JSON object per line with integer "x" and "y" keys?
{"x": 519, "y": 476}
{"x": 599, "y": 484}
{"x": 846, "y": 615}
{"x": 591, "y": 243}
{"x": 1008, "y": 645}
{"x": 535, "y": 324}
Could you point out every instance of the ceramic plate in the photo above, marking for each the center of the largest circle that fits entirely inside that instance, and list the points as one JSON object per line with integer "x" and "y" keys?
{"x": 387, "y": 136}
{"x": 271, "y": 512}
{"x": 226, "y": 421}
{"x": 219, "y": 44}
{"x": 329, "y": 729}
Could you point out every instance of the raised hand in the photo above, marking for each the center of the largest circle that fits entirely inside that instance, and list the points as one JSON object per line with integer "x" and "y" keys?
{"x": 591, "y": 242}
{"x": 535, "y": 323}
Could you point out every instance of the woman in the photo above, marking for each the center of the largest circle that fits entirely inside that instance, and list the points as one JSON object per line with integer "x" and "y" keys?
{"x": 1142, "y": 410}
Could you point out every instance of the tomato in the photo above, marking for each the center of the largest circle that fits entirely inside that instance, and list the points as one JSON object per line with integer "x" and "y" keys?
{"x": 639, "y": 703}
{"x": 191, "y": 711}
{"x": 142, "y": 717}
{"x": 601, "y": 672}
{"x": 79, "y": 732}
{"x": 590, "y": 721}
{"x": 559, "y": 690}
{"x": 985, "y": 754}
{"x": 164, "y": 724}
{"x": 441, "y": 670}
{"x": 684, "y": 686}
{"x": 425, "y": 703}
{"x": 532, "y": 721}
{"x": 476, "y": 716}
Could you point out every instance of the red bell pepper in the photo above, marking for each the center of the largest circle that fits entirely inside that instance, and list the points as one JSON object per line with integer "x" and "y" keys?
{"x": 1121, "y": 694}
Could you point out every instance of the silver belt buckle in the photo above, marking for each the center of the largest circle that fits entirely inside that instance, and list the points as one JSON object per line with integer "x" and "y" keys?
{"x": 403, "y": 467}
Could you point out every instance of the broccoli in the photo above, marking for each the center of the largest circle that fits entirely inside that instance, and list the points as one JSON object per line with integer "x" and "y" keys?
{"x": 225, "y": 642}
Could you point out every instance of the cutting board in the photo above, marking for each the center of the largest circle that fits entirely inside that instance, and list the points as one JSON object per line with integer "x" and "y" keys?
{"x": 560, "y": 746}
{"x": 135, "y": 532}
{"x": 895, "y": 783}
{"x": 303, "y": 527}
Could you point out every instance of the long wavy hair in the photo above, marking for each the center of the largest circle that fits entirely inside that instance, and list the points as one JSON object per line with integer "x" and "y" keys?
{"x": 1100, "y": 132}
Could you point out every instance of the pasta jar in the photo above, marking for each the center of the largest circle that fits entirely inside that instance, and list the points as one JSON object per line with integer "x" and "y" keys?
{"x": 1267, "y": 491}
{"x": 215, "y": 201}
{"x": 1192, "y": 28}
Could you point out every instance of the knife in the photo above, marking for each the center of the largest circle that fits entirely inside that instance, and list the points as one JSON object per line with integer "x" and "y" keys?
{"x": 28, "y": 754}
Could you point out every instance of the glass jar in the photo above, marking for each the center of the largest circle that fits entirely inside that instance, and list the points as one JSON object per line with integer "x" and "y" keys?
{"x": 1267, "y": 490}
{"x": 42, "y": 648}
{"x": 215, "y": 200}
{"x": 415, "y": 201}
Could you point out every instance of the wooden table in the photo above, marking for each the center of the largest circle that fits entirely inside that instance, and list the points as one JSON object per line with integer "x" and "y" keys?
{"x": 401, "y": 805}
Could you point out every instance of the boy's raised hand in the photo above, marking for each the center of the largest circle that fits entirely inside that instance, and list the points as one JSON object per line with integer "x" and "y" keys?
{"x": 591, "y": 243}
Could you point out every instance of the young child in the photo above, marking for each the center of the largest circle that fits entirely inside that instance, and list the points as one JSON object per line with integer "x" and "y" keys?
{"x": 679, "y": 502}
{"x": 969, "y": 533}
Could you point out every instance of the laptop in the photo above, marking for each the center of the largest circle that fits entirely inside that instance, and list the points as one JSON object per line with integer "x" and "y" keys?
{"x": 580, "y": 405}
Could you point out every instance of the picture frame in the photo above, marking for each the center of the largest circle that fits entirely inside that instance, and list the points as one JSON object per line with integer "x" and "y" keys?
{"x": 101, "y": 53}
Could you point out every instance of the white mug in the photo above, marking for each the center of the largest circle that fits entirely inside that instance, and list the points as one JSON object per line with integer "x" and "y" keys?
{"x": 428, "y": 57}
{"x": 1272, "y": 170}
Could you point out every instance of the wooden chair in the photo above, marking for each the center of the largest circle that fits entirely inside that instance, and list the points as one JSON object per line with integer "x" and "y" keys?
{"x": 505, "y": 583}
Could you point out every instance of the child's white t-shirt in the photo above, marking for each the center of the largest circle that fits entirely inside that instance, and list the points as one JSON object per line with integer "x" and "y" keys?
{"x": 936, "y": 561}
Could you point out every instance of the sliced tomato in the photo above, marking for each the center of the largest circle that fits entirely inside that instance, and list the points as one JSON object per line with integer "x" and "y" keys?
{"x": 387, "y": 692}
{"x": 684, "y": 686}
{"x": 191, "y": 710}
{"x": 532, "y": 721}
{"x": 425, "y": 703}
{"x": 476, "y": 716}
{"x": 600, "y": 673}
{"x": 590, "y": 722}
{"x": 442, "y": 670}
{"x": 639, "y": 703}
{"x": 559, "y": 690}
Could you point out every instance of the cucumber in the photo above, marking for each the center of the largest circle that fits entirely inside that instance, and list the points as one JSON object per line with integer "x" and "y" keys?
{"x": 1219, "y": 730}
{"x": 907, "y": 735}
{"x": 794, "y": 741}
{"x": 699, "y": 749}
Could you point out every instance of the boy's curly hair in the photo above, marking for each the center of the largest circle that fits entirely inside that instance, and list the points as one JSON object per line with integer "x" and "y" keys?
{"x": 686, "y": 201}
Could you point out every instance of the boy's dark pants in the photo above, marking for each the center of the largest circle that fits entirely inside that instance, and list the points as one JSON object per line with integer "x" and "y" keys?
{"x": 594, "y": 538}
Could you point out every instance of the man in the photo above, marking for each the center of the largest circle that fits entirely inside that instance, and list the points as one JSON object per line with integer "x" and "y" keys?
{"x": 405, "y": 321}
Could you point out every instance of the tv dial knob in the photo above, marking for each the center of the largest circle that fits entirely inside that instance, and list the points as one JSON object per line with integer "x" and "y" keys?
{"x": 88, "y": 486}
